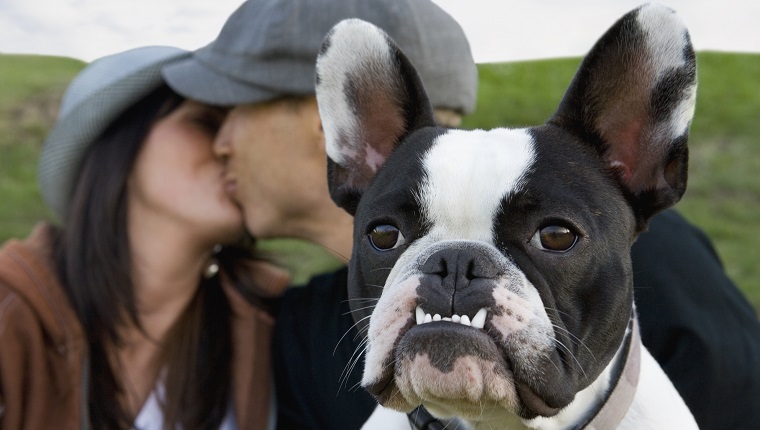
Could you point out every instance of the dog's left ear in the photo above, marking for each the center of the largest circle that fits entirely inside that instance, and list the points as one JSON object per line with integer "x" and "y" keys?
{"x": 633, "y": 98}
{"x": 370, "y": 98}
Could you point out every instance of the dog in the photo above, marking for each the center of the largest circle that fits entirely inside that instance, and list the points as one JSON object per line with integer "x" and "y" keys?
{"x": 500, "y": 260}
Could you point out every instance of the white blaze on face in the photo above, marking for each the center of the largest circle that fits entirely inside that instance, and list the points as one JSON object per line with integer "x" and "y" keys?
{"x": 468, "y": 173}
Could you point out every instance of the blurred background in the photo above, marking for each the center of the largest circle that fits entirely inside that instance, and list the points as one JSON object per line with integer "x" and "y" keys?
{"x": 527, "y": 54}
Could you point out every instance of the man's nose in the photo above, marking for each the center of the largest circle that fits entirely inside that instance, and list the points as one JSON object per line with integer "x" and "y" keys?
{"x": 222, "y": 145}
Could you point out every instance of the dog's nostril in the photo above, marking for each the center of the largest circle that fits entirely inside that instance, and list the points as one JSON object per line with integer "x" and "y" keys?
{"x": 436, "y": 266}
{"x": 443, "y": 270}
{"x": 470, "y": 272}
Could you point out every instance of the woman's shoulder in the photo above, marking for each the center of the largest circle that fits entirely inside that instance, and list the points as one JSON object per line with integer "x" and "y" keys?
{"x": 23, "y": 263}
{"x": 31, "y": 296}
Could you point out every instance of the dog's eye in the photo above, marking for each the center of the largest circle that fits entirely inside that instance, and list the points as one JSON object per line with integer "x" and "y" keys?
{"x": 386, "y": 237}
{"x": 554, "y": 238}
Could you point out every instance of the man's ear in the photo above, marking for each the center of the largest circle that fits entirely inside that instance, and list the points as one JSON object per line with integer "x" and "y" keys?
{"x": 370, "y": 98}
{"x": 633, "y": 99}
{"x": 314, "y": 124}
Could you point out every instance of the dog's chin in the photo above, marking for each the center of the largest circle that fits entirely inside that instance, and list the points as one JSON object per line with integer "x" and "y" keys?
{"x": 455, "y": 370}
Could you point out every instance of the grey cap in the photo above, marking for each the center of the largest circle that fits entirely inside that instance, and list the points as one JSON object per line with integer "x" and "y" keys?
{"x": 94, "y": 99}
{"x": 268, "y": 49}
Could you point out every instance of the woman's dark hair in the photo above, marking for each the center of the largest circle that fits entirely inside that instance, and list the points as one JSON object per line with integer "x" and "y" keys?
{"x": 93, "y": 260}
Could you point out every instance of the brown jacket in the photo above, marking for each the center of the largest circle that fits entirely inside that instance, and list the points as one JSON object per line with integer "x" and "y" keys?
{"x": 43, "y": 350}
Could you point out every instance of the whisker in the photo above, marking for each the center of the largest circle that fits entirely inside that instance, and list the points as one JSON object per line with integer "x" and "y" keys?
{"x": 348, "y": 368}
{"x": 355, "y": 386}
{"x": 577, "y": 340}
{"x": 361, "y": 332}
{"x": 358, "y": 309}
{"x": 348, "y": 331}
{"x": 355, "y": 357}
{"x": 369, "y": 299}
{"x": 570, "y": 353}
{"x": 560, "y": 312}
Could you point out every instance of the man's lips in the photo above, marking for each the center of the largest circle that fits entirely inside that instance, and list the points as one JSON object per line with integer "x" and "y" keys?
{"x": 230, "y": 186}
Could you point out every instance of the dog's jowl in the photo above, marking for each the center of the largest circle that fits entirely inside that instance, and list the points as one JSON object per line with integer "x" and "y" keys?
{"x": 501, "y": 258}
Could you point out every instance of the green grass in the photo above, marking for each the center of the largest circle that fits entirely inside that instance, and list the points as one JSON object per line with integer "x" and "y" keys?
{"x": 30, "y": 91}
{"x": 724, "y": 185}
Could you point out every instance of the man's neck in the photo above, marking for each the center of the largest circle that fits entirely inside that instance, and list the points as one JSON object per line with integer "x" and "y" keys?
{"x": 335, "y": 235}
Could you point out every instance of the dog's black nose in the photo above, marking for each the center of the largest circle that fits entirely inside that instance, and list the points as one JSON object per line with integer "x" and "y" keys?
{"x": 459, "y": 279}
{"x": 458, "y": 268}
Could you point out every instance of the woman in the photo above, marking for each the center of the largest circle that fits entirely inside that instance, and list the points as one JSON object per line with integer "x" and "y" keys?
{"x": 145, "y": 308}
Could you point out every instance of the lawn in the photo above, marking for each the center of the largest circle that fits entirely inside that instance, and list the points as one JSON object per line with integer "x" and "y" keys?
{"x": 30, "y": 91}
{"x": 724, "y": 185}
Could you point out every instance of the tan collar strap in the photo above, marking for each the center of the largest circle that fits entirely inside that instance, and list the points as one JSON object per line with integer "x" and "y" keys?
{"x": 620, "y": 398}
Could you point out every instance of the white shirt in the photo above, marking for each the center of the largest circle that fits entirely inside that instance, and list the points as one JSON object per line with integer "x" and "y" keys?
{"x": 151, "y": 417}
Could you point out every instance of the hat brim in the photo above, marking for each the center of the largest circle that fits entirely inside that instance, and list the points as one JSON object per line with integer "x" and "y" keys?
{"x": 194, "y": 80}
{"x": 82, "y": 123}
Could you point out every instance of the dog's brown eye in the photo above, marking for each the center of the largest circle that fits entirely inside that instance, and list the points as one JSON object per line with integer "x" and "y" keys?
{"x": 554, "y": 238}
{"x": 386, "y": 237}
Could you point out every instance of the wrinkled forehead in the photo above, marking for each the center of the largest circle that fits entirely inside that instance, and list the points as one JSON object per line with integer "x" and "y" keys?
{"x": 467, "y": 175}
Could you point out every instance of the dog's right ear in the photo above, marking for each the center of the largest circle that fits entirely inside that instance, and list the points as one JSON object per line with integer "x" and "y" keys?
{"x": 370, "y": 98}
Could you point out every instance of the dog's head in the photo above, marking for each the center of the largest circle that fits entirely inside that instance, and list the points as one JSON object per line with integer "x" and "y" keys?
{"x": 491, "y": 269}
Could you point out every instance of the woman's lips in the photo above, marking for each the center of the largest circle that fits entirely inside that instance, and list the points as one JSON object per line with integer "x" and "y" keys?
{"x": 231, "y": 188}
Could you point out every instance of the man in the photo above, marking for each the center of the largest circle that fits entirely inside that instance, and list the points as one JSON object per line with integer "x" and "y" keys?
{"x": 694, "y": 320}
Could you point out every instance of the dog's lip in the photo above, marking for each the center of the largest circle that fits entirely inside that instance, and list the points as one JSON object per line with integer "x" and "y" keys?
{"x": 533, "y": 402}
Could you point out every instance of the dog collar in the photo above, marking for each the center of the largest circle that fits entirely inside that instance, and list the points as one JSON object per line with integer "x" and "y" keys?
{"x": 421, "y": 419}
{"x": 612, "y": 411}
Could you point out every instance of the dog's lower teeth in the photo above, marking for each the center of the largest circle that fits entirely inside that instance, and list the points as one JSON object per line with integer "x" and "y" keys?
{"x": 478, "y": 321}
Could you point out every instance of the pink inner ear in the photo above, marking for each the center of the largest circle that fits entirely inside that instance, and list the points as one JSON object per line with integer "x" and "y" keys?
{"x": 374, "y": 159}
{"x": 635, "y": 153}
{"x": 624, "y": 148}
{"x": 382, "y": 123}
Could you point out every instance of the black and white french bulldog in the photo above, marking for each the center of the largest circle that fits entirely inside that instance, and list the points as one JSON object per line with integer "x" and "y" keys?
{"x": 499, "y": 261}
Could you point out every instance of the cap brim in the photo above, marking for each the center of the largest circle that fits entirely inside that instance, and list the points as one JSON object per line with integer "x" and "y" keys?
{"x": 194, "y": 80}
